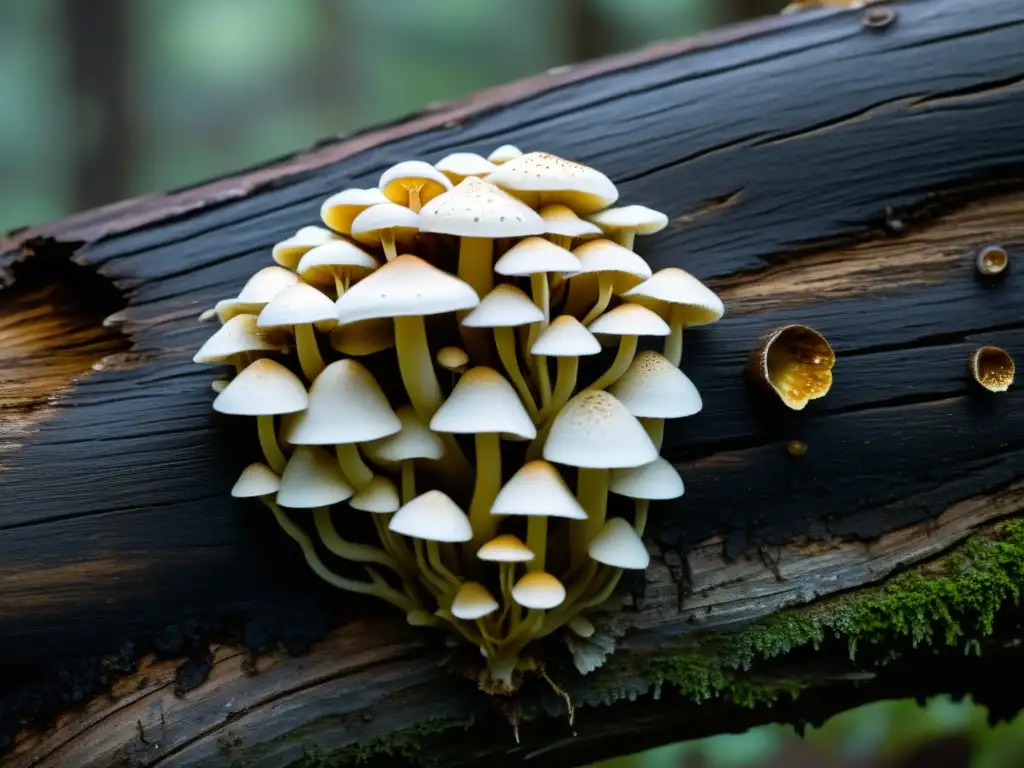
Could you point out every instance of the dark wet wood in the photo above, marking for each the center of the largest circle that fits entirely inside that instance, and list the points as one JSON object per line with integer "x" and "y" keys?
{"x": 813, "y": 170}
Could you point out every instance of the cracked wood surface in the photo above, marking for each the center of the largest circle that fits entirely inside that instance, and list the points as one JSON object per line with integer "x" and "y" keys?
{"x": 813, "y": 171}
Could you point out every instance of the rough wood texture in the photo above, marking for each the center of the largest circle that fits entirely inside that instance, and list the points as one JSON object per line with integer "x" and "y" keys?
{"x": 814, "y": 170}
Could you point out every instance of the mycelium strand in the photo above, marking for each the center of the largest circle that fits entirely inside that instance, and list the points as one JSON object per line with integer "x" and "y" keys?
{"x": 268, "y": 442}
{"x": 505, "y": 341}
{"x": 537, "y": 541}
{"x": 605, "y": 284}
{"x": 488, "y": 483}
{"x": 310, "y": 359}
{"x": 592, "y": 494}
{"x": 619, "y": 366}
{"x": 432, "y": 581}
{"x": 348, "y": 550}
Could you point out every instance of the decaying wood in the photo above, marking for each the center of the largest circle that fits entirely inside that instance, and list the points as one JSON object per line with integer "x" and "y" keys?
{"x": 814, "y": 171}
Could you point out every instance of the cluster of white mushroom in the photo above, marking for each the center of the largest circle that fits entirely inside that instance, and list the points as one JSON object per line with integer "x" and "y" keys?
{"x": 475, "y": 272}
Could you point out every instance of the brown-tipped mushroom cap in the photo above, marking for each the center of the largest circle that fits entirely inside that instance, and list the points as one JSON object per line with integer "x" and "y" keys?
{"x": 237, "y": 336}
{"x": 795, "y": 362}
{"x": 453, "y": 359}
{"x": 505, "y": 548}
{"x": 603, "y": 255}
{"x": 320, "y": 265}
{"x": 504, "y": 307}
{"x": 264, "y": 388}
{"x": 630, "y": 320}
{"x": 654, "y": 388}
{"x": 413, "y": 441}
{"x": 483, "y": 402}
{"x": 655, "y": 481}
{"x": 432, "y": 516}
{"x": 504, "y": 153}
{"x": 566, "y": 337}
{"x": 258, "y": 290}
{"x": 538, "y": 590}
{"x": 535, "y": 256}
{"x": 537, "y": 489}
{"x": 539, "y": 178}
{"x": 405, "y": 287}
{"x": 311, "y": 479}
{"x": 676, "y": 293}
{"x": 398, "y": 180}
{"x": 476, "y": 208}
{"x": 346, "y": 405}
{"x": 472, "y": 602}
{"x": 562, "y": 220}
{"x": 594, "y": 430}
{"x": 459, "y": 165}
{"x": 992, "y": 368}
{"x": 298, "y": 304}
{"x": 365, "y": 337}
{"x": 370, "y": 225}
{"x": 288, "y": 252}
{"x": 256, "y": 480}
{"x": 339, "y": 210}
{"x": 619, "y": 546}
{"x": 380, "y": 497}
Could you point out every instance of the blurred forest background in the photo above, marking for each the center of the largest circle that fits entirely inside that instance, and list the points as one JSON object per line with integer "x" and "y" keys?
{"x": 104, "y": 99}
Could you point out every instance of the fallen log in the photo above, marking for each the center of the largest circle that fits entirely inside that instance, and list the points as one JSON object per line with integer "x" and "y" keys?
{"x": 816, "y": 169}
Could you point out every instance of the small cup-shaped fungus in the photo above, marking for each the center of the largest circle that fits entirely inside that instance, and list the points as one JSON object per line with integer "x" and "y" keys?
{"x": 625, "y": 223}
{"x": 567, "y": 341}
{"x": 992, "y": 368}
{"x": 233, "y": 341}
{"x": 364, "y": 337}
{"x": 388, "y": 225}
{"x": 654, "y": 389}
{"x": 257, "y": 291}
{"x": 336, "y": 264}
{"x": 485, "y": 405}
{"x": 992, "y": 260}
{"x": 618, "y": 269}
{"x": 413, "y": 183}
{"x": 563, "y": 225}
{"x": 539, "y": 178}
{"x": 473, "y": 602}
{"x": 629, "y": 322}
{"x": 256, "y": 480}
{"x": 312, "y": 479}
{"x": 504, "y": 309}
{"x": 453, "y": 359}
{"x": 413, "y": 441}
{"x": 433, "y": 517}
{"x": 264, "y": 389}
{"x": 299, "y": 307}
{"x": 458, "y": 165}
{"x": 795, "y": 362}
{"x": 682, "y": 300}
{"x": 596, "y": 433}
{"x": 619, "y": 546}
{"x": 504, "y": 153}
{"x": 288, "y": 252}
{"x": 340, "y": 209}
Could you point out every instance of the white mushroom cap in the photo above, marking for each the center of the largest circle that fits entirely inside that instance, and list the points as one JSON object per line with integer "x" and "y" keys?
{"x": 453, "y": 358}
{"x": 594, "y": 430}
{"x": 538, "y": 590}
{"x": 562, "y": 220}
{"x": 483, "y": 402}
{"x": 637, "y": 218}
{"x": 581, "y": 626}
{"x": 504, "y": 307}
{"x": 368, "y": 225}
{"x": 312, "y": 478}
{"x": 219, "y": 385}
{"x": 340, "y": 209}
{"x": 413, "y": 441}
{"x": 505, "y": 548}
{"x": 320, "y": 264}
{"x": 380, "y": 496}
{"x": 534, "y": 256}
{"x": 236, "y": 336}
{"x": 565, "y": 337}
{"x": 432, "y": 516}
{"x": 537, "y": 489}
{"x": 405, "y": 287}
{"x": 619, "y": 546}
{"x": 605, "y": 256}
{"x": 459, "y": 165}
{"x": 258, "y": 290}
{"x": 654, "y": 388}
{"x": 346, "y": 405}
{"x": 288, "y": 252}
{"x": 264, "y": 388}
{"x": 655, "y": 481}
{"x": 677, "y": 291}
{"x": 539, "y": 178}
{"x": 364, "y": 337}
{"x": 476, "y": 208}
{"x": 297, "y": 305}
{"x": 504, "y": 153}
{"x": 256, "y": 480}
{"x": 396, "y": 181}
{"x": 630, "y": 320}
{"x": 472, "y": 602}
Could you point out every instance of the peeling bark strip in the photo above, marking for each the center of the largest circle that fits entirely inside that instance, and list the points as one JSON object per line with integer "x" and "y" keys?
{"x": 814, "y": 171}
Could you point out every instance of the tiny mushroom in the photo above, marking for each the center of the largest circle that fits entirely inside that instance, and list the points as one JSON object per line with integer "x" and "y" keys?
{"x": 299, "y": 307}
{"x": 312, "y": 479}
{"x": 256, "y": 480}
{"x": 413, "y": 183}
{"x": 506, "y": 550}
{"x": 655, "y": 481}
{"x": 413, "y": 441}
{"x": 336, "y": 264}
{"x": 379, "y": 497}
{"x": 233, "y": 342}
{"x": 564, "y": 226}
{"x": 339, "y": 210}
{"x": 433, "y": 517}
{"x": 288, "y": 252}
{"x": 453, "y": 359}
{"x": 623, "y": 224}
{"x": 629, "y": 322}
{"x": 504, "y": 153}
{"x": 992, "y": 368}
{"x": 567, "y": 340}
{"x": 682, "y": 300}
{"x": 458, "y": 165}
{"x": 618, "y": 270}
{"x": 654, "y": 390}
{"x": 795, "y": 362}
{"x": 619, "y": 546}
{"x": 257, "y": 291}
{"x": 538, "y": 590}
{"x": 473, "y": 602}
{"x": 264, "y": 389}
{"x": 539, "y": 178}
{"x": 485, "y": 405}
{"x": 387, "y": 225}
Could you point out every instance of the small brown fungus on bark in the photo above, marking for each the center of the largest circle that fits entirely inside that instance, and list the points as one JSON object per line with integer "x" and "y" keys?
{"x": 992, "y": 260}
{"x": 796, "y": 447}
{"x": 878, "y": 17}
{"x": 992, "y": 368}
{"x": 795, "y": 362}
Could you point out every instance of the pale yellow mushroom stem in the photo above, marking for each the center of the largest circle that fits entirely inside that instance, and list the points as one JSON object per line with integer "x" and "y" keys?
{"x": 434, "y": 558}
{"x": 378, "y": 588}
{"x": 542, "y": 298}
{"x": 673, "y": 349}
{"x": 488, "y": 483}
{"x": 476, "y": 267}
{"x": 626, "y": 238}
{"x": 348, "y": 550}
{"x": 655, "y": 430}
{"x": 268, "y": 442}
{"x": 431, "y": 580}
{"x": 619, "y": 366}
{"x": 387, "y": 241}
{"x": 565, "y": 382}
{"x": 537, "y": 541}
{"x": 642, "y": 506}
{"x": 592, "y": 494}
{"x": 543, "y": 376}
{"x": 461, "y": 627}
{"x": 414, "y": 197}
{"x": 605, "y": 283}
{"x": 505, "y": 341}
{"x": 605, "y": 583}
{"x": 310, "y": 359}
{"x": 408, "y": 481}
